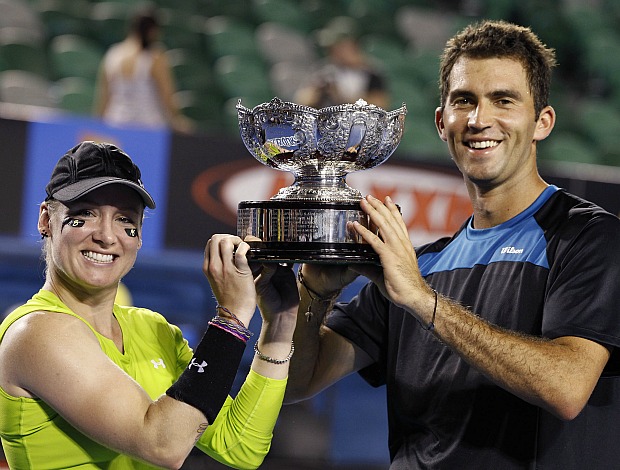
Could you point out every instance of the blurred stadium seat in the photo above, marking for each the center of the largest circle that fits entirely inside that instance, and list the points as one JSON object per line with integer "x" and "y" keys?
{"x": 64, "y": 16}
{"x": 203, "y": 108}
{"x": 229, "y": 36}
{"x": 108, "y": 21}
{"x": 425, "y": 29}
{"x": 19, "y": 14}
{"x": 283, "y": 12}
{"x": 26, "y": 88}
{"x": 181, "y": 29}
{"x": 242, "y": 77}
{"x": 75, "y": 95}
{"x": 191, "y": 71}
{"x": 568, "y": 147}
{"x": 21, "y": 51}
{"x": 280, "y": 43}
{"x": 71, "y": 55}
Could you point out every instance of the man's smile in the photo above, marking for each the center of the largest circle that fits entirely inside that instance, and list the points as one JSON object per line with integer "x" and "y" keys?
{"x": 484, "y": 144}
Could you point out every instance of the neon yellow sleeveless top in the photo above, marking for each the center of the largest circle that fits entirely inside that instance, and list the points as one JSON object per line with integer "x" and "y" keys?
{"x": 34, "y": 436}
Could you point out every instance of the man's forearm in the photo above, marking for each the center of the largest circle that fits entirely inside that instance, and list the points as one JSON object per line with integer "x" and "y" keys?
{"x": 311, "y": 315}
{"x": 557, "y": 375}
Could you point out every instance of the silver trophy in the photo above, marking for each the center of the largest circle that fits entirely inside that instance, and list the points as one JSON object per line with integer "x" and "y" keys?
{"x": 307, "y": 221}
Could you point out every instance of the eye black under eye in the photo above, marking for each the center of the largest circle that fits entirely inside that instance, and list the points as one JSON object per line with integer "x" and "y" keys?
{"x": 73, "y": 222}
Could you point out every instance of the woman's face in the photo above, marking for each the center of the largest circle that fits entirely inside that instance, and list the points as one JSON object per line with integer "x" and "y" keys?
{"x": 93, "y": 242}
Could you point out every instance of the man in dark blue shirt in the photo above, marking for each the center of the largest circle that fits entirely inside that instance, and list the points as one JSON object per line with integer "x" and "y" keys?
{"x": 497, "y": 346}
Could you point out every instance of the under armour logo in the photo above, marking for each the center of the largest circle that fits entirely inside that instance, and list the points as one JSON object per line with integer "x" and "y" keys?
{"x": 156, "y": 364}
{"x": 201, "y": 367}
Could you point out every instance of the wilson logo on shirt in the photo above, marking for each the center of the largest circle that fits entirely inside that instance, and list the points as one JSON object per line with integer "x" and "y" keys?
{"x": 511, "y": 250}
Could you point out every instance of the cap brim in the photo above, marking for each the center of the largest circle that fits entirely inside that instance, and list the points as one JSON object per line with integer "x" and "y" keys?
{"x": 77, "y": 190}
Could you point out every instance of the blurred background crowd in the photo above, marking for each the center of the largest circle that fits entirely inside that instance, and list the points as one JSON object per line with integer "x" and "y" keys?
{"x": 223, "y": 50}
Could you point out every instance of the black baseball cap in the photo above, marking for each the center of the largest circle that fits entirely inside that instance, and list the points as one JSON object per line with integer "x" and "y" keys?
{"x": 90, "y": 165}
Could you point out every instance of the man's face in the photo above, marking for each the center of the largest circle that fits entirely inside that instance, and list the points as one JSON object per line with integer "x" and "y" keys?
{"x": 489, "y": 121}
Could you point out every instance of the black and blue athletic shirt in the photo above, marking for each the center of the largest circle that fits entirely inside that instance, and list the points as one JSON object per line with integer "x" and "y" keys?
{"x": 551, "y": 271}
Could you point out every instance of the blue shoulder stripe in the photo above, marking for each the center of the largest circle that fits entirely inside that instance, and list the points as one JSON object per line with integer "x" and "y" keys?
{"x": 519, "y": 240}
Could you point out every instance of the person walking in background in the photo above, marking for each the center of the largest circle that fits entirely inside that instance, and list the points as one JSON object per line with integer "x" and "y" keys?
{"x": 498, "y": 346}
{"x": 135, "y": 85}
{"x": 346, "y": 75}
{"x": 87, "y": 383}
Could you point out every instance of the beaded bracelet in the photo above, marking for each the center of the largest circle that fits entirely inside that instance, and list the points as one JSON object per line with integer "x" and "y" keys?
{"x": 314, "y": 296}
{"x": 265, "y": 358}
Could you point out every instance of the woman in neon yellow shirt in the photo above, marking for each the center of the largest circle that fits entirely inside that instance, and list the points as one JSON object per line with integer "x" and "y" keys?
{"x": 86, "y": 383}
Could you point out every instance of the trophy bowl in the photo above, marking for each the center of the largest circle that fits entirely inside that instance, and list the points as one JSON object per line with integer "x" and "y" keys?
{"x": 307, "y": 221}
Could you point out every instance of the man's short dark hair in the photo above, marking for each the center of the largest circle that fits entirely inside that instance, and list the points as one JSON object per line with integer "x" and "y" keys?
{"x": 500, "y": 39}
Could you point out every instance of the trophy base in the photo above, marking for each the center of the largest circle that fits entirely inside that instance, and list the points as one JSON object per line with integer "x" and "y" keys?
{"x": 310, "y": 252}
{"x": 304, "y": 232}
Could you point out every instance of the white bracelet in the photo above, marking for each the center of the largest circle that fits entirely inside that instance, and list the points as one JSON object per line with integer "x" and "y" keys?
{"x": 265, "y": 358}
